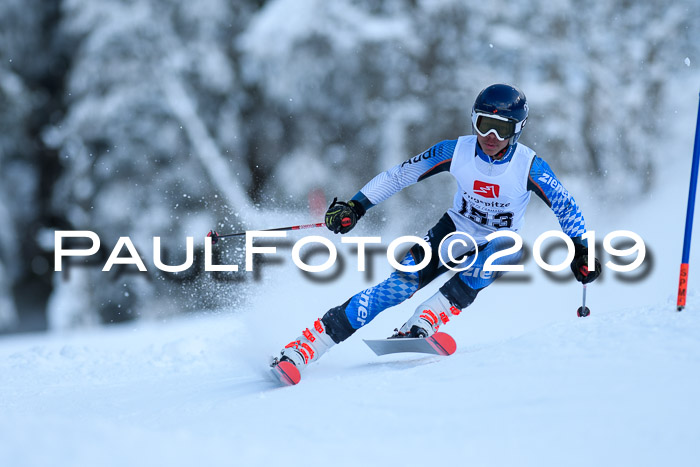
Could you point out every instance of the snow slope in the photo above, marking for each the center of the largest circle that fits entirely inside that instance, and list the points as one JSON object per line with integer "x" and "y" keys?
{"x": 530, "y": 384}
{"x": 615, "y": 389}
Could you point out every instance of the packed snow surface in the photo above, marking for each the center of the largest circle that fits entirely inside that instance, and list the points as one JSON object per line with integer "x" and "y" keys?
{"x": 616, "y": 388}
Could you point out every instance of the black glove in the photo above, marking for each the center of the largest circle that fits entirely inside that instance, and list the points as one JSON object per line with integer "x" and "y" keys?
{"x": 341, "y": 217}
{"x": 579, "y": 265}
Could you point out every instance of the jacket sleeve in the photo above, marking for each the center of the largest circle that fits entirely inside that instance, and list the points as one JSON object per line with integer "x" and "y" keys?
{"x": 547, "y": 186}
{"x": 435, "y": 160}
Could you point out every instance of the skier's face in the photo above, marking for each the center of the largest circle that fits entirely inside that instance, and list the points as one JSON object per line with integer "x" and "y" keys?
{"x": 490, "y": 144}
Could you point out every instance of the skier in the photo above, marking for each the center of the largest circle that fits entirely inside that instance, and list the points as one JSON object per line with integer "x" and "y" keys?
{"x": 495, "y": 177}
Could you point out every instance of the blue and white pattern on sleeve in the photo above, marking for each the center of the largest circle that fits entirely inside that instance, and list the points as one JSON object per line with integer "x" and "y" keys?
{"x": 435, "y": 160}
{"x": 546, "y": 185}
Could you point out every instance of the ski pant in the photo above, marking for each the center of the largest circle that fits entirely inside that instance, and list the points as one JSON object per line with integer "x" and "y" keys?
{"x": 460, "y": 290}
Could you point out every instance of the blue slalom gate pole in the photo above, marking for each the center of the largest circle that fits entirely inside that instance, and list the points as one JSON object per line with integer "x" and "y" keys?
{"x": 683, "y": 280}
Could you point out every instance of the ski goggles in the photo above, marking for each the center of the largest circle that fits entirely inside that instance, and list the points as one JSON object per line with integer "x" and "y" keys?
{"x": 502, "y": 127}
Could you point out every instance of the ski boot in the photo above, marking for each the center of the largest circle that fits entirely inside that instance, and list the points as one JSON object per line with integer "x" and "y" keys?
{"x": 307, "y": 348}
{"x": 428, "y": 317}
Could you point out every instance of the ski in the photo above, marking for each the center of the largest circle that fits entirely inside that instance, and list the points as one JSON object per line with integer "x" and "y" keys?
{"x": 286, "y": 373}
{"x": 439, "y": 343}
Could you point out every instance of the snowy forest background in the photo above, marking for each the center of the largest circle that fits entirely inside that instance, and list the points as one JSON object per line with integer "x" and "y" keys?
{"x": 146, "y": 118}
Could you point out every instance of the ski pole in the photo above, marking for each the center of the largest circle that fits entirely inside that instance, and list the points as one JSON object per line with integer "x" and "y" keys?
{"x": 215, "y": 236}
{"x": 583, "y": 310}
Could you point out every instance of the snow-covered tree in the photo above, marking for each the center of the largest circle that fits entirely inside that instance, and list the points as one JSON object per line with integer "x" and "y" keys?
{"x": 149, "y": 142}
{"x": 363, "y": 85}
{"x": 159, "y": 118}
{"x": 24, "y": 59}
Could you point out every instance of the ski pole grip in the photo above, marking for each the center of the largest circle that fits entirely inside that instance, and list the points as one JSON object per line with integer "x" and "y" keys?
{"x": 214, "y": 236}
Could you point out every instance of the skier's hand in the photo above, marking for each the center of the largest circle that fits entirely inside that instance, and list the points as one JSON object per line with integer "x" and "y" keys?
{"x": 579, "y": 265}
{"x": 341, "y": 217}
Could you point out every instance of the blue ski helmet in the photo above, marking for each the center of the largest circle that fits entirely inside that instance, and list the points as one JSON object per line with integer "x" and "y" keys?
{"x": 501, "y": 109}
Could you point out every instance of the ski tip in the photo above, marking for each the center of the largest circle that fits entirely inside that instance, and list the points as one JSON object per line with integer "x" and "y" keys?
{"x": 443, "y": 343}
{"x": 287, "y": 373}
